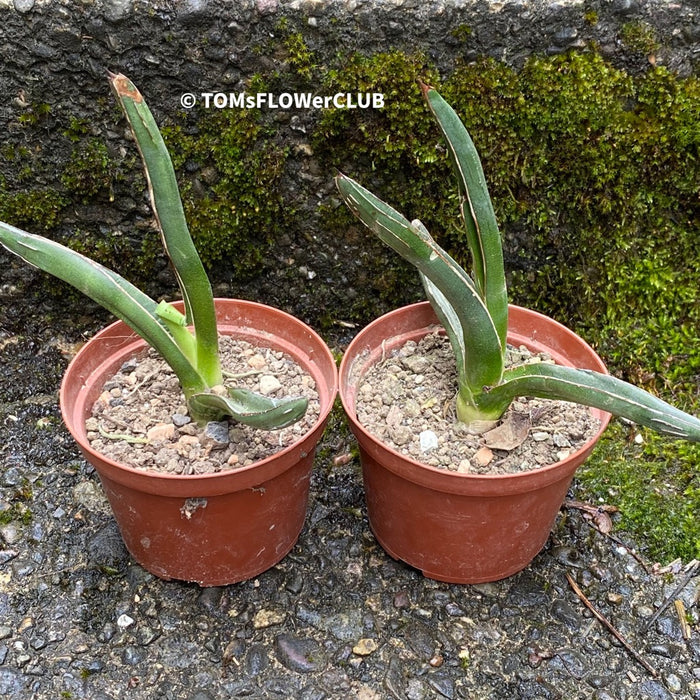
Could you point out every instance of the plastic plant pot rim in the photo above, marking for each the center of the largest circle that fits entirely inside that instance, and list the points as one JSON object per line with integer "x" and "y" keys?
{"x": 362, "y": 354}
{"x": 316, "y": 359}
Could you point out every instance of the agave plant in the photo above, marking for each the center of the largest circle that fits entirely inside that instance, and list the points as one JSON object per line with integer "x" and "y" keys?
{"x": 187, "y": 342}
{"x": 474, "y": 309}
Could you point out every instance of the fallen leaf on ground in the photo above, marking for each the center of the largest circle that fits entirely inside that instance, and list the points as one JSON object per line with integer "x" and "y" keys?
{"x": 599, "y": 514}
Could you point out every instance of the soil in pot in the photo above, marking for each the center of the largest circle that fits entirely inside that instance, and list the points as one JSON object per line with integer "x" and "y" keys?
{"x": 407, "y": 401}
{"x": 141, "y": 419}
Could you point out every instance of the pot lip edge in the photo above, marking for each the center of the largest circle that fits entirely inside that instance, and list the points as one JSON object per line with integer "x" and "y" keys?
{"x": 136, "y": 344}
{"x": 414, "y": 466}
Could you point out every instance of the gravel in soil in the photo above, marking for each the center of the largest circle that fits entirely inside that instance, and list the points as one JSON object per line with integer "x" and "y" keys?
{"x": 337, "y": 618}
{"x": 141, "y": 417}
{"x": 408, "y": 402}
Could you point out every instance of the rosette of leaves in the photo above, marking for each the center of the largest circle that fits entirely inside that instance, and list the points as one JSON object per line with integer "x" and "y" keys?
{"x": 474, "y": 308}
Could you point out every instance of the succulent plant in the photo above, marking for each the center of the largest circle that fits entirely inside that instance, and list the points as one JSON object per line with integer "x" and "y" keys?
{"x": 474, "y": 309}
{"x": 188, "y": 342}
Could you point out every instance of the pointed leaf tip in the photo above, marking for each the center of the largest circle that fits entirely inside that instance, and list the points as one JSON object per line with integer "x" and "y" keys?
{"x": 425, "y": 88}
{"x": 123, "y": 87}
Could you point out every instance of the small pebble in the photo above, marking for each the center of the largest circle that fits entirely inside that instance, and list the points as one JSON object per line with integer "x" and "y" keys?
{"x": 268, "y": 618}
{"x": 400, "y": 434}
{"x": 179, "y": 419}
{"x": 428, "y": 441}
{"x": 483, "y": 456}
{"x": 365, "y": 647}
{"x": 132, "y": 655}
{"x": 674, "y": 683}
{"x": 561, "y": 440}
{"x": 257, "y": 660}
{"x": 185, "y": 442}
{"x": 10, "y": 533}
{"x": 23, "y": 5}
{"x": 418, "y": 364}
{"x": 298, "y": 653}
{"x": 402, "y": 600}
{"x": 124, "y": 621}
{"x": 161, "y": 432}
{"x": 295, "y": 583}
{"x": 7, "y": 555}
{"x": 395, "y": 416}
{"x": 257, "y": 361}
{"x": 269, "y": 384}
{"x": 215, "y": 435}
{"x": 644, "y": 611}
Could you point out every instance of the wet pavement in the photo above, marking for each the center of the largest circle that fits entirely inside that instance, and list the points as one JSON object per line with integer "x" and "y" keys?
{"x": 337, "y": 618}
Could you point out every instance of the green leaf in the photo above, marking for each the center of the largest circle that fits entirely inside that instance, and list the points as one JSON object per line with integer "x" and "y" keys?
{"x": 108, "y": 289}
{"x": 167, "y": 312}
{"x": 457, "y": 301}
{"x": 598, "y": 390}
{"x": 483, "y": 236}
{"x": 176, "y": 322}
{"x": 249, "y": 408}
{"x": 450, "y": 322}
{"x": 447, "y": 316}
{"x": 167, "y": 205}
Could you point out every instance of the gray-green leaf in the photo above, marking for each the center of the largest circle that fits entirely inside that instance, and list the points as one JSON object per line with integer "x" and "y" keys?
{"x": 249, "y": 408}
{"x": 599, "y": 391}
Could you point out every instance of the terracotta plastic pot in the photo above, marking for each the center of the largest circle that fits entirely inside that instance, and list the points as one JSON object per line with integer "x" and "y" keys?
{"x": 211, "y": 529}
{"x": 456, "y": 527}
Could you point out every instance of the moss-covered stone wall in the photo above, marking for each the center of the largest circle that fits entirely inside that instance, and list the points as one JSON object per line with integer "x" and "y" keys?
{"x": 586, "y": 114}
{"x": 257, "y": 183}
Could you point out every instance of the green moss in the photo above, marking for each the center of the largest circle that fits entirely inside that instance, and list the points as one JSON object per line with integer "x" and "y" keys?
{"x": 86, "y": 175}
{"x": 592, "y": 172}
{"x": 299, "y": 56}
{"x": 591, "y": 17}
{"x": 639, "y": 36}
{"x": 34, "y": 114}
{"x": 393, "y": 150}
{"x": 592, "y": 176}
{"x": 229, "y": 167}
{"x": 290, "y": 51}
{"x": 37, "y": 209}
{"x": 89, "y": 170}
{"x": 18, "y": 511}
{"x": 77, "y": 128}
{"x": 231, "y": 198}
{"x": 462, "y": 33}
{"x": 22, "y": 202}
{"x": 396, "y": 141}
{"x": 655, "y": 485}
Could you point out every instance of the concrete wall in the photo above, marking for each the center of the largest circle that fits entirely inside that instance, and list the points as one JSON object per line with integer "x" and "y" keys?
{"x": 55, "y": 53}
